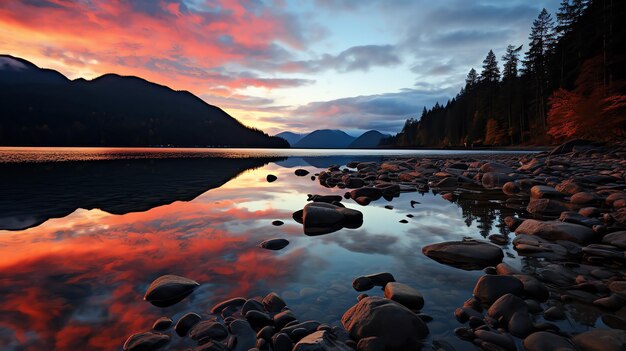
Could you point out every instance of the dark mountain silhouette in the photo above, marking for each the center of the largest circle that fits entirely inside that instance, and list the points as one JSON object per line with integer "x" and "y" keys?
{"x": 325, "y": 139}
{"x": 368, "y": 140}
{"x": 41, "y": 107}
{"x": 32, "y": 193}
{"x": 292, "y": 138}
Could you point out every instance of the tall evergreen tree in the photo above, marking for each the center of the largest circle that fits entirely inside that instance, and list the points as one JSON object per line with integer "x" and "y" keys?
{"x": 471, "y": 80}
{"x": 511, "y": 61}
{"x": 491, "y": 72}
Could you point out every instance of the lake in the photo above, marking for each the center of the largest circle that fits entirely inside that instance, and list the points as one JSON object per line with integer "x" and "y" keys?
{"x": 84, "y": 231}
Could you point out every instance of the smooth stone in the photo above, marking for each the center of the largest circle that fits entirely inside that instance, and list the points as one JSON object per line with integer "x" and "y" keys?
{"x": 616, "y": 239}
{"x": 186, "y": 322}
{"x": 533, "y": 288}
{"x": 322, "y": 218}
{"x": 381, "y": 279}
{"x": 495, "y": 180}
{"x": 162, "y": 323}
{"x": 396, "y": 326}
{"x": 362, "y": 284}
{"x": 405, "y": 295}
{"x": 266, "y": 333}
{"x": 322, "y": 340}
{"x": 274, "y": 244}
{"x": 511, "y": 188}
{"x": 554, "y": 314}
{"x": 145, "y": 341}
{"x": 273, "y": 303}
{"x": 282, "y": 342}
{"x": 281, "y": 319}
{"x": 583, "y": 198}
{"x": 220, "y": 306}
{"x": 252, "y": 305}
{"x": 278, "y": 223}
{"x": 577, "y": 218}
{"x": 466, "y": 254}
{"x": 208, "y": 330}
{"x": 501, "y": 340}
{"x": 258, "y": 319}
{"x": 489, "y": 288}
{"x": 544, "y": 341}
{"x": 506, "y": 269}
{"x": 545, "y": 206}
{"x": 271, "y": 178}
{"x": 513, "y": 311}
{"x": 168, "y": 290}
{"x": 301, "y": 172}
{"x": 589, "y": 212}
{"x": 601, "y": 340}
{"x": 325, "y": 198}
{"x": 556, "y": 230}
{"x": 495, "y": 167}
{"x": 244, "y": 334}
{"x": 309, "y": 326}
{"x": 544, "y": 192}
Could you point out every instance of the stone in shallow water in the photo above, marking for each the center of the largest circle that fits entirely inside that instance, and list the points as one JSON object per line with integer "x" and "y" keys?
{"x": 169, "y": 289}
{"x": 301, "y": 172}
{"x": 162, "y": 323}
{"x": 245, "y": 335}
{"x": 546, "y": 207}
{"x": 554, "y": 314}
{"x": 466, "y": 254}
{"x": 405, "y": 295}
{"x": 321, "y": 340}
{"x": 543, "y": 341}
{"x": 145, "y": 341}
{"x": 322, "y": 218}
{"x": 208, "y": 330}
{"x": 274, "y": 244}
{"x": 601, "y": 340}
{"x": 556, "y": 230}
{"x": 544, "y": 192}
{"x": 273, "y": 303}
{"x": 513, "y": 312}
{"x": 495, "y": 180}
{"x": 271, "y": 178}
{"x": 186, "y": 322}
{"x": 397, "y": 327}
{"x": 489, "y": 288}
{"x": 616, "y": 239}
{"x": 362, "y": 284}
{"x": 380, "y": 279}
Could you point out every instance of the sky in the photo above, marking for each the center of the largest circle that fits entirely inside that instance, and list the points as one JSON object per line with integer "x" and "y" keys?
{"x": 278, "y": 65}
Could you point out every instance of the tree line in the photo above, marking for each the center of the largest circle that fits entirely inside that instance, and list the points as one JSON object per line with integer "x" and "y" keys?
{"x": 567, "y": 82}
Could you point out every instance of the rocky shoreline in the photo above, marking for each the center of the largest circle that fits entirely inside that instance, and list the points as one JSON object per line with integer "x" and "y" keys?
{"x": 572, "y": 202}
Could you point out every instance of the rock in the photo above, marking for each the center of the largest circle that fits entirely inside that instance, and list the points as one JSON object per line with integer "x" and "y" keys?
{"x": 273, "y": 303}
{"x": 278, "y": 223}
{"x": 601, "y": 340}
{"x": 542, "y": 341}
{"x": 308, "y": 326}
{"x": 589, "y": 212}
{"x": 489, "y": 288}
{"x": 282, "y": 342}
{"x": 252, "y": 305}
{"x": 397, "y": 327}
{"x": 501, "y": 340}
{"x": 544, "y": 192}
{"x": 369, "y": 192}
{"x": 495, "y": 180}
{"x": 577, "y": 218}
{"x": 362, "y": 284}
{"x": 271, "y": 178}
{"x": 162, "y": 323}
{"x": 321, "y": 340}
{"x": 506, "y": 269}
{"x": 555, "y": 230}
{"x": 145, "y": 341}
{"x": 545, "y": 206}
{"x": 496, "y": 167}
{"x": 274, "y": 244}
{"x": 169, "y": 289}
{"x": 245, "y": 335}
{"x": 512, "y": 222}
{"x": 325, "y": 198}
{"x": 186, "y": 322}
{"x": 370, "y": 344}
{"x": 208, "y": 330}
{"x": 301, "y": 172}
{"x": 220, "y": 306}
{"x": 511, "y": 188}
{"x": 380, "y": 279}
{"x": 322, "y": 218}
{"x": 466, "y": 254}
{"x": 513, "y": 312}
{"x": 583, "y": 198}
{"x": 405, "y": 295}
{"x": 533, "y": 288}
{"x": 281, "y": 319}
{"x": 554, "y": 314}
{"x": 616, "y": 239}
{"x": 446, "y": 183}
{"x": 258, "y": 319}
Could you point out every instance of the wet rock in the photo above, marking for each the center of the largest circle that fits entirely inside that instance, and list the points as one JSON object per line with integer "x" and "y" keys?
{"x": 513, "y": 312}
{"x": 274, "y": 244}
{"x": 162, "y": 323}
{"x": 612, "y": 302}
{"x": 235, "y": 302}
{"x": 511, "y": 188}
{"x": 545, "y": 206}
{"x": 208, "y": 330}
{"x": 556, "y": 230}
{"x": 244, "y": 334}
{"x": 395, "y": 325}
{"x": 569, "y": 187}
{"x": 489, "y": 288}
{"x": 271, "y": 178}
{"x": 322, "y": 340}
{"x": 542, "y": 341}
{"x": 446, "y": 183}
{"x": 308, "y": 326}
{"x": 258, "y": 319}
{"x": 617, "y": 239}
{"x": 496, "y": 167}
{"x": 404, "y": 221}
{"x": 322, "y": 218}
{"x": 554, "y": 314}
{"x": 283, "y": 318}
{"x": 466, "y": 254}
{"x": 273, "y": 303}
{"x": 533, "y": 288}
{"x": 544, "y": 192}
{"x": 278, "y": 223}
{"x": 583, "y": 198}
{"x": 404, "y": 295}
{"x": 324, "y": 198}
{"x": 362, "y": 284}
{"x": 169, "y": 289}
{"x": 369, "y": 192}
{"x": 380, "y": 279}
{"x": 371, "y": 344}
{"x": 577, "y": 218}
{"x": 495, "y": 180}
{"x": 282, "y": 342}
{"x": 186, "y": 322}
{"x": 601, "y": 340}
{"x": 502, "y": 340}
{"x": 266, "y": 333}
{"x": 145, "y": 341}
{"x": 301, "y": 172}
{"x": 512, "y": 222}
{"x": 506, "y": 269}
{"x": 589, "y": 212}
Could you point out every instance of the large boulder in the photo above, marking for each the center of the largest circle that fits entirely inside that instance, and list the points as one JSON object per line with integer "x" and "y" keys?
{"x": 169, "y": 289}
{"x": 541, "y": 341}
{"x": 393, "y": 324}
{"x": 466, "y": 254}
{"x": 556, "y": 230}
{"x": 323, "y": 218}
{"x": 601, "y": 340}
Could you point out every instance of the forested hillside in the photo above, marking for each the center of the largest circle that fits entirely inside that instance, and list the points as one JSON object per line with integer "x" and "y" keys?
{"x": 567, "y": 82}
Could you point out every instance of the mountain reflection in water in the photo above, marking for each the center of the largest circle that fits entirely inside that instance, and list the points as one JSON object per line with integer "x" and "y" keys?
{"x": 101, "y": 231}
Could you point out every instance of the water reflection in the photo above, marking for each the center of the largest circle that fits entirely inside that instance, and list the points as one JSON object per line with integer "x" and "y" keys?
{"x": 76, "y": 282}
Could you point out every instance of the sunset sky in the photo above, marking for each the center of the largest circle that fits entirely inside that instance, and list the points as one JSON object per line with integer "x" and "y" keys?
{"x": 277, "y": 65}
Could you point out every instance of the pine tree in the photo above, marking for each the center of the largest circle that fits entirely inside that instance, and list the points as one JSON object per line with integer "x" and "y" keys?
{"x": 491, "y": 72}
{"x": 471, "y": 80}
{"x": 511, "y": 61}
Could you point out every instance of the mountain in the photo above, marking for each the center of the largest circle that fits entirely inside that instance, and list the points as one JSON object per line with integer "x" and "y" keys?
{"x": 41, "y": 107}
{"x": 291, "y": 138}
{"x": 325, "y": 139}
{"x": 368, "y": 140}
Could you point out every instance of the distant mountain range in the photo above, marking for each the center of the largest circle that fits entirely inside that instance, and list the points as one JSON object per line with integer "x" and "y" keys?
{"x": 333, "y": 139}
{"x": 41, "y": 107}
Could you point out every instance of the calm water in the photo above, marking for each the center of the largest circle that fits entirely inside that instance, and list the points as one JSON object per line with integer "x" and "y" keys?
{"x": 81, "y": 239}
